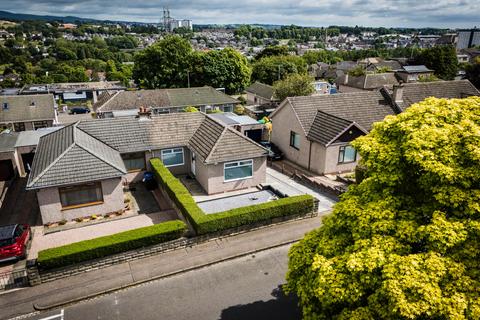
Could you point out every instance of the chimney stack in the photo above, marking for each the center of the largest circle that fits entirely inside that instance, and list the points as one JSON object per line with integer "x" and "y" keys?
{"x": 398, "y": 93}
{"x": 144, "y": 113}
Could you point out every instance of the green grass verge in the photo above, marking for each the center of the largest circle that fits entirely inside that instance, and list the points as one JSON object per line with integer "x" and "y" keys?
{"x": 116, "y": 243}
{"x": 206, "y": 223}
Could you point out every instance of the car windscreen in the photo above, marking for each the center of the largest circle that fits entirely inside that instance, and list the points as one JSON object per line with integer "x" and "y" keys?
{"x": 5, "y": 242}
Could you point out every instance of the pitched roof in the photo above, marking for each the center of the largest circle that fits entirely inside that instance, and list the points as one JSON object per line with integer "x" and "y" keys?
{"x": 214, "y": 142}
{"x": 377, "y": 80}
{"x": 415, "y": 69}
{"x": 165, "y": 98}
{"x": 326, "y": 127}
{"x": 131, "y": 135}
{"x": 27, "y": 108}
{"x": 262, "y": 90}
{"x": 71, "y": 156}
{"x": 364, "y": 108}
{"x": 418, "y": 91}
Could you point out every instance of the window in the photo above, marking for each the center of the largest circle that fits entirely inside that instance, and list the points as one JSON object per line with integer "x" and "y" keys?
{"x": 161, "y": 111}
{"x": 172, "y": 157}
{"x": 237, "y": 170}
{"x": 294, "y": 140}
{"x": 19, "y": 126}
{"x": 347, "y": 154}
{"x": 40, "y": 124}
{"x": 18, "y": 231}
{"x": 228, "y": 108}
{"x": 5, "y": 106}
{"x": 81, "y": 195}
{"x": 134, "y": 161}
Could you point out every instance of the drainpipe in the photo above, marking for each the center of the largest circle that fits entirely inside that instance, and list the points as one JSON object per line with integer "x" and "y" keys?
{"x": 309, "y": 155}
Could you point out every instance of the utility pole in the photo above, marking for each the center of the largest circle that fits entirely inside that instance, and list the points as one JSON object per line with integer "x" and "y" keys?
{"x": 188, "y": 78}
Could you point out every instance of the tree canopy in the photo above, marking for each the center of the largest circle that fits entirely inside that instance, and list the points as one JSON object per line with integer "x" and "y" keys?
{"x": 442, "y": 59}
{"x": 294, "y": 85}
{"x": 273, "y": 68}
{"x": 405, "y": 242}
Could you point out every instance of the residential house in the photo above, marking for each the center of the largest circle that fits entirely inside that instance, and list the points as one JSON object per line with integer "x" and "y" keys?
{"x": 20, "y": 113}
{"x": 161, "y": 101}
{"x": 261, "y": 94}
{"x": 80, "y": 169}
{"x": 413, "y": 73}
{"x": 74, "y": 91}
{"x": 368, "y": 81}
{"x": 315, "y": 132}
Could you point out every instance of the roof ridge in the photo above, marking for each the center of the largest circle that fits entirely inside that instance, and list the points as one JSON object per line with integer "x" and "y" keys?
{"x": 214, "y": 147}
{"x": 41, "y": 174}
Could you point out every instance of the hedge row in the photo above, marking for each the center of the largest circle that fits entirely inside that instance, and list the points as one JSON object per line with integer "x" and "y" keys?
{"x": 116, "y": 243}
{"x": 206, "y": 223}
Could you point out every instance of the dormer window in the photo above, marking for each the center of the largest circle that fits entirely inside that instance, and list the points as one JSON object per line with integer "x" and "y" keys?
{"x": 5, "y": 106}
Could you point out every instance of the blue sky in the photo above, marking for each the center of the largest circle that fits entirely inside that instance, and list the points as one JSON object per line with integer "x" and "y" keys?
{"x": 388, "y": 13}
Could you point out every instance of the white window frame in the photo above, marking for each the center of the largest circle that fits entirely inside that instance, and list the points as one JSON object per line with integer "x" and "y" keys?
{"x": 241, "y": 163}
{"x": 173, "y": 150}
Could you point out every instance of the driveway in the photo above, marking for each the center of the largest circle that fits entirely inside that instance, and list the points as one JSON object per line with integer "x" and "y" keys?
{"x": 291, "y": 187}
{"x": 20, "y": 205}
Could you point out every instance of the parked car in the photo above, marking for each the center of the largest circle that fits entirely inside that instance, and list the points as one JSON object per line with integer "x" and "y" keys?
{"x": 13, "y": 241}
{"x": 274, "y": 153}
{"x": 79, "y": 110}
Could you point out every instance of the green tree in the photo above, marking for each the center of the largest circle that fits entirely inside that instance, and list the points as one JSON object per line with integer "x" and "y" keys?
{"x": 164, "y": 64}
{"x": 294, "y": 85}
{"x": 272, "y": 51}
{"x": 270, "y": 69}
{"x": 473, "y": 72}
{"x": 225, "y": 68}
{"x": 405, "y": 242}
{"x": 442, "y": 59}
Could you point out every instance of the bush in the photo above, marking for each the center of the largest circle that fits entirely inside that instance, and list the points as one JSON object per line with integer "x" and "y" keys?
{"x": 104, "y": 246}
{"x": 205, "y": 223}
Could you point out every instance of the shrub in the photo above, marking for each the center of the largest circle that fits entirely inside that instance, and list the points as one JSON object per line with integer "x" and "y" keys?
{"x": 205, "y": 223}
{"x": 116, "y": 243}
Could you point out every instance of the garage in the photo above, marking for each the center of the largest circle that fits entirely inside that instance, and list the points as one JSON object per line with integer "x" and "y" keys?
{"x": 6, "y": 170}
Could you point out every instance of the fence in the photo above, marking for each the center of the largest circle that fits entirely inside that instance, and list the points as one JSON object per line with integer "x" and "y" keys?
{"x": 13, "y": 279}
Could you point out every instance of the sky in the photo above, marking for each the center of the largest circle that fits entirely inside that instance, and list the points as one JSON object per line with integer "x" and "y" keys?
{"x": 387, "y": 13}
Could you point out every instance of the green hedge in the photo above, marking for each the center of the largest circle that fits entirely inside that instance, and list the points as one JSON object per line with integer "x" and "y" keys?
{"x": 205, "y": 223}
{"x": 116, "y": 243}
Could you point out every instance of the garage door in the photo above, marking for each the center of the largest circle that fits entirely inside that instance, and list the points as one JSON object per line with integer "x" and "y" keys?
{"x": 6, "y": 170}
{"x": 255, "y": 135}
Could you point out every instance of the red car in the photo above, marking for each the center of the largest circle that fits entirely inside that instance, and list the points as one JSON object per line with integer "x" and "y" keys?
{"x": 13, "y": 241}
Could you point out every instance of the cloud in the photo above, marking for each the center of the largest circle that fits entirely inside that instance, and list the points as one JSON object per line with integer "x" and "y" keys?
{"x": 388, "y": 13}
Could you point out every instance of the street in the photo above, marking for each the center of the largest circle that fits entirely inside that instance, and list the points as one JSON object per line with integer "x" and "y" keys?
{"x": 243, "y": 288}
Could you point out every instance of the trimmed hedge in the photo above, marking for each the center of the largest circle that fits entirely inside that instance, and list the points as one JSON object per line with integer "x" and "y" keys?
{"x": 206, "y": 223}
{"x": 116, "y": 243}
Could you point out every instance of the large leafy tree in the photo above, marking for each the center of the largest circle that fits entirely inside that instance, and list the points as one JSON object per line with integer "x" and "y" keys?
{"x": 294, "y": 85}
{"x": 442, "y": 59}
{"x": 473, "y": 72}
{"x": 273, "y": 68}
{"x": 225, "y": 68}
{"x": 164, "y": 64}
{"x": 405, "y": 242}
{"x": 272, "y": 51}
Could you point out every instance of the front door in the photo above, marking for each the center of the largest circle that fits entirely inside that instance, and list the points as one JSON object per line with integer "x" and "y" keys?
{"x": 192, "y": 164}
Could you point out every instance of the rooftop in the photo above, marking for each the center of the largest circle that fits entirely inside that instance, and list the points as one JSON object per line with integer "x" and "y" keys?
{"x": 73, "y": 86}
{"x": 27, "y": 108}
{"x": 262, "y": 90}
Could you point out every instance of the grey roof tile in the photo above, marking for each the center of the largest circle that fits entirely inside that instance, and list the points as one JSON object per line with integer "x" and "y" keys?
{"x": 326, "y": 127}
{"x": 27, "y": 108}
{"x": 262, "y": 90}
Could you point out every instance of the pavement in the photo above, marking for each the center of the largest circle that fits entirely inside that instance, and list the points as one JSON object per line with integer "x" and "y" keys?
{"x": 73, "y": 289}
{"x": 248, "y": 287}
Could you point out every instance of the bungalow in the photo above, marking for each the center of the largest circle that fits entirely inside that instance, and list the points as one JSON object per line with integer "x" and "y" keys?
{"x": 162, "y": 101}
{"x": 80, "y": 169}
{"x": 20, "y": 113}
{"x": 315, "y": 132}
{"x": 261, "y": 94}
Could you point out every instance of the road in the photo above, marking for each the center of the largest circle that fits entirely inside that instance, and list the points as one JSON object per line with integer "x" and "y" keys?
{"x": 243, "y": 288}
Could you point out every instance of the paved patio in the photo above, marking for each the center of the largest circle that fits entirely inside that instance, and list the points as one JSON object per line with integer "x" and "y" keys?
{"x": 291, "y": 187}
{"x": 237, "y": 201}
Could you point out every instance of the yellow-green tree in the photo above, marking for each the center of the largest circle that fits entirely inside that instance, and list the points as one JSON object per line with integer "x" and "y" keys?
{"x": 405, "y": 242}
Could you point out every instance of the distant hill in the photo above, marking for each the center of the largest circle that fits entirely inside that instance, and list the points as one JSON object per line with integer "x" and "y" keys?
{"x": 5, "y": 15}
